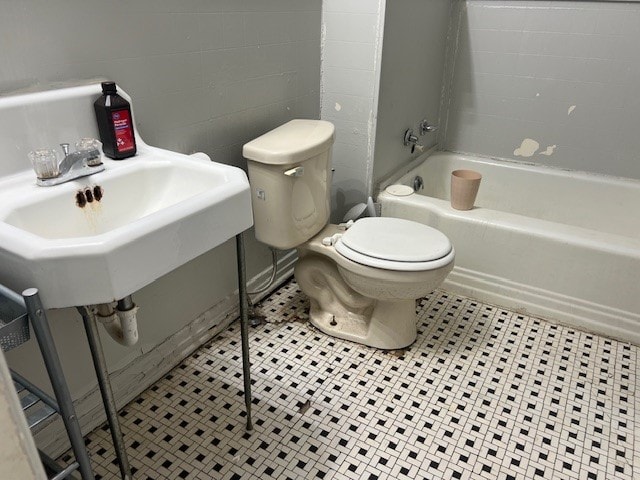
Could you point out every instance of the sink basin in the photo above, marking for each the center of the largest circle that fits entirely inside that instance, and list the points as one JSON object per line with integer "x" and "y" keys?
{"x": 154, "y": 213}
{"x": 99, "y": 238}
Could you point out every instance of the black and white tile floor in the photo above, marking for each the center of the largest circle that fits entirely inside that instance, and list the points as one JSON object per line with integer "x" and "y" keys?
{"x": 484, "y": 393}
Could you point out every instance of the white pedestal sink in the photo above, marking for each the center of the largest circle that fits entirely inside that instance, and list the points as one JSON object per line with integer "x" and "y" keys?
{"x": 156, "y": 210}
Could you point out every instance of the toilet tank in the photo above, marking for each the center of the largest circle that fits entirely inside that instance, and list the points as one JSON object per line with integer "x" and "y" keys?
{"x": 290, "y": 177}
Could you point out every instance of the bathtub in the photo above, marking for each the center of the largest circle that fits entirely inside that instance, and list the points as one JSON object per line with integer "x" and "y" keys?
{"x": 557, "y": 244}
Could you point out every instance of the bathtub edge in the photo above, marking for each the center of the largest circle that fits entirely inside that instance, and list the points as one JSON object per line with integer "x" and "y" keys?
{"x": 544, "y": 304}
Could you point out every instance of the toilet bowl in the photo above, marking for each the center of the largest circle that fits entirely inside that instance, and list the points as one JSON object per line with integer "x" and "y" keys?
{"x": 362, "y": 280}
{"x": 370, "y": 298}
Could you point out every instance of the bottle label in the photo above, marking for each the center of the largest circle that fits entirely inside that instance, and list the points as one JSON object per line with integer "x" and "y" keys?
{"x": 124, "y": 133}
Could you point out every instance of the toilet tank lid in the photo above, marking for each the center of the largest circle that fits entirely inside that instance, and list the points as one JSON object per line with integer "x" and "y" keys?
{"x": 293, "y": 142}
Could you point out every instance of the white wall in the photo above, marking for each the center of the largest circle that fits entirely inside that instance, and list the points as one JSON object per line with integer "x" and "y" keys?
{"x": 204, "y": 76}
{"x": 352, "y": 36}
{"x": 563, "y": 74}
{"x": 413, "y": 58}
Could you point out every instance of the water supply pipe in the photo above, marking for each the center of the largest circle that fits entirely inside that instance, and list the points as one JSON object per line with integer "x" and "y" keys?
{"x": 120, "y": 323}
{"x": 274, "y": 272}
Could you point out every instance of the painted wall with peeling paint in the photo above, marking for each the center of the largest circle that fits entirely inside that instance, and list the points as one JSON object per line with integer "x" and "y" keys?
{"x": 562, "y": 75}
{"x": 413, "y": 58}
{"x": 352, "y": 36}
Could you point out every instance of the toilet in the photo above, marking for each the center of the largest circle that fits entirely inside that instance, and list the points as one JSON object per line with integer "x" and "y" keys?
{"x": 362, "y": 278}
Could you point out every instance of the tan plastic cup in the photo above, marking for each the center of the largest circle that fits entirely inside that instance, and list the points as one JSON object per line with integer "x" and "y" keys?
{"x": 464, "y": 188}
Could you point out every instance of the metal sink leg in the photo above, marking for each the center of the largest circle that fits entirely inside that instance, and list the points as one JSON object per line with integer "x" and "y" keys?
{"x": 100, "y": 366}
{"x": 244, "y": 325}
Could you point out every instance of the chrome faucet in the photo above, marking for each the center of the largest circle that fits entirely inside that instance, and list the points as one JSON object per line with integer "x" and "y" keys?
{"x": 86, "y": 160}
{"x": 418, "y": 183}
{"x": 425, "y": 127}
{"x": 410, "y": 139}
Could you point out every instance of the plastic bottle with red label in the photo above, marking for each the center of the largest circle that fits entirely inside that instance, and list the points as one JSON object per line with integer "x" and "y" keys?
{"x": 115, "y": 123}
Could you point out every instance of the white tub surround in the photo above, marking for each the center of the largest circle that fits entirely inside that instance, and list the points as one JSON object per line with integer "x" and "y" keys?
{"x": 559, "y": 244}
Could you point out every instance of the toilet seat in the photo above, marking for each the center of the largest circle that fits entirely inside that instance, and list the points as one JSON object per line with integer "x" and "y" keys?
{"x": 395, "y": 244}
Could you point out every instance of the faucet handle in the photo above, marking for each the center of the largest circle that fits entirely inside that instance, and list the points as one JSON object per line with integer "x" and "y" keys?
{"x": 65, "y": 148}
{"x": 425, "y": 127}
{"x": 45, "y": 163}
{"x": 90, "y": 149}
{"x": 87, "y": 144}
{"x": 409, "y": 138}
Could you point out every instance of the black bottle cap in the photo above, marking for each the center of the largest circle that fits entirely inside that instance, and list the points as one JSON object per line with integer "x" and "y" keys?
{"x": 108, "y": 87}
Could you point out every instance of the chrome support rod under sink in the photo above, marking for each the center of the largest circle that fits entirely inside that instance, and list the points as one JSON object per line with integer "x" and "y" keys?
{"x": 243, "y": 299}
{"x": 100, "y": 365}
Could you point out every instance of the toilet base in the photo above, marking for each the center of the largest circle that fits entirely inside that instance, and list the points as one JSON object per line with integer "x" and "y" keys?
{"x": 390, "y": 325}
{"x": 340, "y": 311}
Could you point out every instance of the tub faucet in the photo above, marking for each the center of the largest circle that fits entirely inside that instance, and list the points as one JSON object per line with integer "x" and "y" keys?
{"x": 411, "y": 139}
{"x": 86, "y": 160}
{"x": 426, "y": 127}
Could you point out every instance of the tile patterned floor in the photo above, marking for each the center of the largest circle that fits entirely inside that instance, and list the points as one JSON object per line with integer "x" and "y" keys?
{"x": 484, "y": 393}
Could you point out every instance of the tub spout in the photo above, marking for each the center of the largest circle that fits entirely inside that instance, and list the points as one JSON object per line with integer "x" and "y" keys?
{"x": 418, "y": 183}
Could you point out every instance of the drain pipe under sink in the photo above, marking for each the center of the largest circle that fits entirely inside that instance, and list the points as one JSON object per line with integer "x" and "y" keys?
{"x": 120, "y": 323}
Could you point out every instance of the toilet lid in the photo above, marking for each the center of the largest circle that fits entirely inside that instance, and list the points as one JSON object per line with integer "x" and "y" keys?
{"x": 393, "y": 240}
